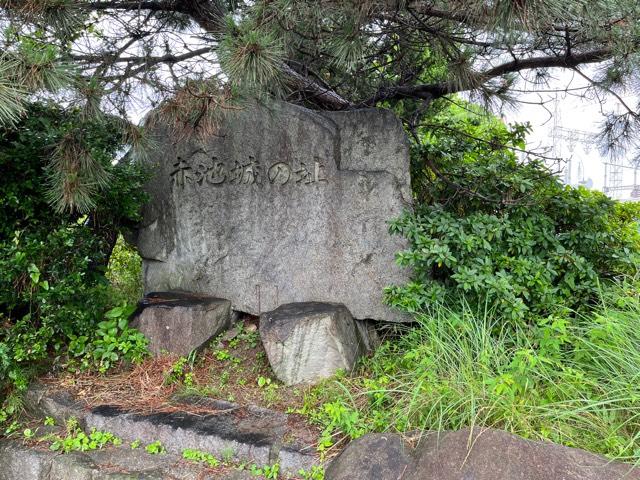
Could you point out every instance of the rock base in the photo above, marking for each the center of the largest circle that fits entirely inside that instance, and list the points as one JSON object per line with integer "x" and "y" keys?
{"x": 478, "y": 454}
{"x": 306, "y": 342}
{"x": 179, "y": 322}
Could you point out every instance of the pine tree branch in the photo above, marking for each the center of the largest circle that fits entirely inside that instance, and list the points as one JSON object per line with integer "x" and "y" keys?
{"x": 208, "y": 15}
{"x": 140, "y": 5}
{"x": 433, "y": 91}
{"x": 169, "y": 58}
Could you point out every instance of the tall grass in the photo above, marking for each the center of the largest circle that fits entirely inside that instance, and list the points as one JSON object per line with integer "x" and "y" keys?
{"x": 574, "y": 380}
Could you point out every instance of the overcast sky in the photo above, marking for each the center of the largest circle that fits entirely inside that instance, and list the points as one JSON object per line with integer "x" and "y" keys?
{"x": 579, "y": 121}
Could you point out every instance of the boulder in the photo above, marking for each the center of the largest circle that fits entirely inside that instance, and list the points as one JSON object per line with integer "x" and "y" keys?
{"x": 306, "y": 342}
{"x": 178, "y": 322}
{"x": 375, "y": 456}
{"x": 478, "y": 454}
{"x": 282, "y": 204}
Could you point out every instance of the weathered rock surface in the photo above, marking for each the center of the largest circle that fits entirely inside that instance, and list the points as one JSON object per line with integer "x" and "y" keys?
{"x": 179, "y": 322}
{"x": 282, "y": 205}
{"x": 306, "y": 342}
{"x": 19, "y": 462}
{"x": 484, "y": 454}
{"x": 372, "y": 457}
{"x": 249, "y": 434}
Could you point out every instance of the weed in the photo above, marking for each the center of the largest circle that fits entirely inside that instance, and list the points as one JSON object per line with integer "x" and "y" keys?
{"x": 315, "y": 473}
{"x": 222, "y": 355}
{"x": 270, "y": 472}
{"x": 155, "y": 448}
{"x": 200, "y": 457}
{"x": 76, "y": 440}
{"x": 227, "y": 454}
{"x": 178, "y": 372}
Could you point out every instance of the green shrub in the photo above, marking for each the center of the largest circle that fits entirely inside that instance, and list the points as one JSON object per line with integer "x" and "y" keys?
{"x": 507, "y": 232}
{"x": 52, "y": 282}
{"x": 111, "y": 341}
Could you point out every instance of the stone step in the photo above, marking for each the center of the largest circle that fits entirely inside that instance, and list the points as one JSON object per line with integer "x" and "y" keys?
{"x": 22, "y": 462}
{"x": 244, "y": 434}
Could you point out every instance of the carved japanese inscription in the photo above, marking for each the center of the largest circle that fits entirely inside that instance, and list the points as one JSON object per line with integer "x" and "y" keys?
{"x": 204, "y": 169}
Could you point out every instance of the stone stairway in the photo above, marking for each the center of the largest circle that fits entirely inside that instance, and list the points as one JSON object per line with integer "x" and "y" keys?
{"x": 246, "y": 435}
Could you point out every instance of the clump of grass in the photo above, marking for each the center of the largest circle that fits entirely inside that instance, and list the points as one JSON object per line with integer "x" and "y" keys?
{"x": 571, "y": 380}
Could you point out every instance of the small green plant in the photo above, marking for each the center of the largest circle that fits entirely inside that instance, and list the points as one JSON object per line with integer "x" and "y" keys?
{"x": 112, "y": 341}
{"x": 12, "y": 427}
{"x": 155, "y": 448}
{"x": 254, "y": 470}
{"x": 224, "y": 378}
{"x": 249, "y": 338}
{"x": 135, "y": 444}
{"x": 222, "y": 355}
{"x": 270, "y": 472}
{"x": 76, "y": 440}
{"x": 49, "y": 422}
{"x": 227, "y": 454}
{"x": 189, "y": 380}
{"x": 178, "y": 373}
{"x": 315, "y": 473}
{"x": 200, "y": 457}
{"x": 28, "y": 433}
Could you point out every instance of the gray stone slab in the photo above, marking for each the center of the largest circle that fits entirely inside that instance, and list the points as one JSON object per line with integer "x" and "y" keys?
{"x": 18, "y": 462}
{"x": 306, "y": 342}
{"x": 41, "y": 401}
{"x": 216, "y": 434}
{"x": 179, "y": 322}
{"x": 21, "y": 462}
{"x": 249, "y": 433}
{"x": 282, "y": 205}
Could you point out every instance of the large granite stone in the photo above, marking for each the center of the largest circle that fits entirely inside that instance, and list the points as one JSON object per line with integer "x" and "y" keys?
{"x": 306, "y": 342}
{"x": 282, "y": 205}
{"x": 478, "y": 454}
{"x": 178, "y": 322}
{"x": 376, "y": 456}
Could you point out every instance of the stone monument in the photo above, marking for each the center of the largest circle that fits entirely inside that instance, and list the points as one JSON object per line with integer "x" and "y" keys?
{"x": 281, "y": 205}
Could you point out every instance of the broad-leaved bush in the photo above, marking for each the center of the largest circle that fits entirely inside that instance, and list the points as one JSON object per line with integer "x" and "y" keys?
{"x": 53, "y": 287}
{"x": 494, "y": 229}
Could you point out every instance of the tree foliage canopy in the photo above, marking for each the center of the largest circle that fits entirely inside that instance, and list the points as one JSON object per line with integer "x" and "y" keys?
{"x": 120, "y": 55}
